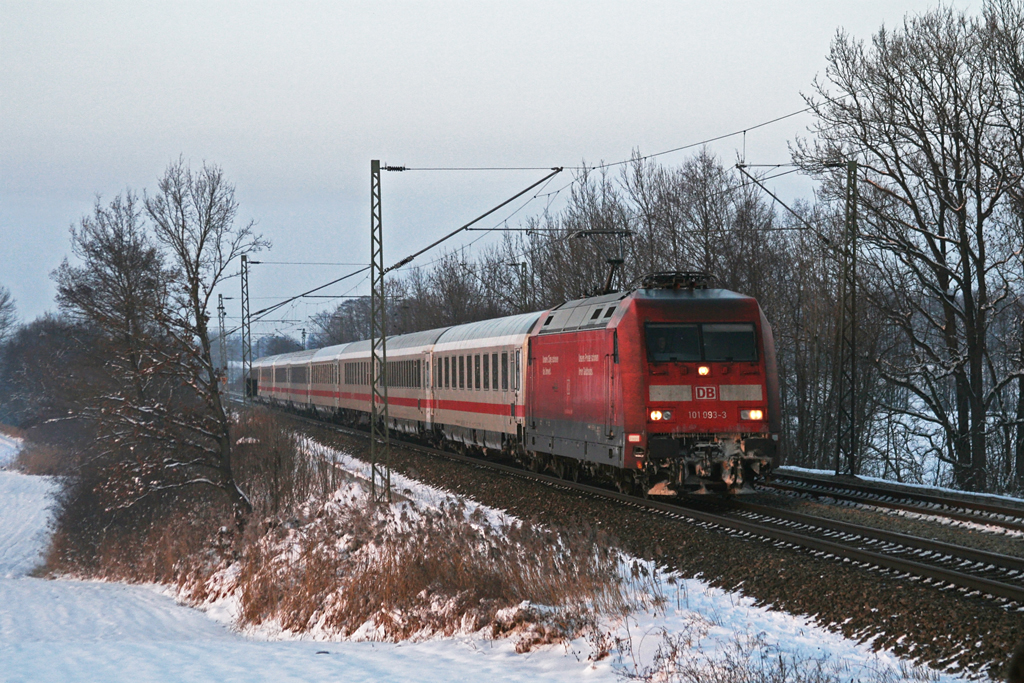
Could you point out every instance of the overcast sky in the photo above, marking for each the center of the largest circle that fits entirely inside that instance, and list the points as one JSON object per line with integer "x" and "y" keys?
{"x": 293, "y": 100}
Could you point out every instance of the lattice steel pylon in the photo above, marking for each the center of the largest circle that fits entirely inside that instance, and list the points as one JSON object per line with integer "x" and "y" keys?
{"x": 246, "y": 333}
{"x": 847, "y": 428}
{"x": 380, "y": 443}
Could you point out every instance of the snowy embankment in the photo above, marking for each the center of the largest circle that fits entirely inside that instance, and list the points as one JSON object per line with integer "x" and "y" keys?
{"x": 82, "y": 630}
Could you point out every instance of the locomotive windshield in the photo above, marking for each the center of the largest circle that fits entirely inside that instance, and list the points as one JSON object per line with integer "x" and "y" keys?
{"x": 721, "y": 342}
{"x": 672, "y": 342}
{"x": 732, "y": 342}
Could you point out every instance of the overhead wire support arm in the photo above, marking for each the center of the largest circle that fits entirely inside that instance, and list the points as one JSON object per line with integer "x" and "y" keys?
{"x": 408, "y": 259}
{"x": 742, "y": 168}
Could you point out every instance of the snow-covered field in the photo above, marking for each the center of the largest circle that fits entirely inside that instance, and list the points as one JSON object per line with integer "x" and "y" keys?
{"x": 92, "y": 631}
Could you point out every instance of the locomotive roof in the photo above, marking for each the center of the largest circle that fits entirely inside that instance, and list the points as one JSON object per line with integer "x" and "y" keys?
{"x": 692, "y": 294}
{"x": 575, "y": 314}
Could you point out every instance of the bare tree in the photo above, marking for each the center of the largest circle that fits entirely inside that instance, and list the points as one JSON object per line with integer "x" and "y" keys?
{"x": 119, "y": 288}
{"x": 1004, "y": 24}
{"x": 920, "y": 109}
{"x": 8, "y": 314}
{"x": 193, "y": 214}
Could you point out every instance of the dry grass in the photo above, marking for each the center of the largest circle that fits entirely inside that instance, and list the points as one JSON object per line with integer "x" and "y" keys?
{"x": 314, "y": 559}
{"x": 40, "y": 459}
{"x": 11, "y": 430}
{"x": 352, "y": 571}
{"x": 682, "y": 657}
{"x": 274, "y": 471}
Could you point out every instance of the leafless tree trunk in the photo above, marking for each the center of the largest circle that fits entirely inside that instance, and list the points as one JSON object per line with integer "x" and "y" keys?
{"x": 920, "y": 110}
{"x": 193, "y": 214}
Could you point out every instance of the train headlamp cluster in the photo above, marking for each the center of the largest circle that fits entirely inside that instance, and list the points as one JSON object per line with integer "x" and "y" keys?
{"x": 660, "y": 415}
{"x": 703, "y": 370}
{"x": 751, "y": 414}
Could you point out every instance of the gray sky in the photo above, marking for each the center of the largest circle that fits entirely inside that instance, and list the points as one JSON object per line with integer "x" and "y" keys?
{"x": 293, "y": 99}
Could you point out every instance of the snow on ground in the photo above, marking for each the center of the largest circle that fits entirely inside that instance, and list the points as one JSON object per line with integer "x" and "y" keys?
{"x": 95, "y": 631}
{"x": 23, "y": 517}
{"x": 9, "y": 449}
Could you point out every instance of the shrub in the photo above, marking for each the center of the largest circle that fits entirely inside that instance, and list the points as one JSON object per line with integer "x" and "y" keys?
{"x": 351, "y": 570}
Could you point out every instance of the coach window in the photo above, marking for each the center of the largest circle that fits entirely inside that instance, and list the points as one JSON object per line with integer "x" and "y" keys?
{"x": 447, "y": 383}
{"x": 476, "y": 372}
{"x": 504, "y": 372}
{"x": 516, "y": 369}
{"x": 462, "y": 372}
{"x": 487, "y": 371}
{"x": 494, "y": 371}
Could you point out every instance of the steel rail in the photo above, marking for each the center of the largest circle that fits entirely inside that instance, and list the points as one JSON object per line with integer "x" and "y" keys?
{"x": 868, "y": 557}
{"x": 834, "y": 490}
{"x": 893, "y": 489}
{"x": 957, "y": 551}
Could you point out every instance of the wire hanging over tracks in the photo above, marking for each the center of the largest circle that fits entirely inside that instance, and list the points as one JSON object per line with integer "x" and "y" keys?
{"x": 408, "y": 259}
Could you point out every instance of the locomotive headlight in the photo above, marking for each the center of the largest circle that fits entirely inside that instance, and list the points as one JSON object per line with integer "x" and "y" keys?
{"x": 751, "y": 414}
{"x": 666, "y": 415}
{"x": 703, "y": 370}
{"x": 656, "y": 415}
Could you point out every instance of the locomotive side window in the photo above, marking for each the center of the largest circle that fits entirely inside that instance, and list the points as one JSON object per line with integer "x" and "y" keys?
{"x": 672, "y": 342}
{"x": 504, "y": 372}
{"x": 729, "y": 342}
{"x": 487, "y": 371}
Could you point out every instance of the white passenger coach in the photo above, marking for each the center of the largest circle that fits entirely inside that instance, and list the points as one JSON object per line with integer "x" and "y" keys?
{"x": 464, "y": 383}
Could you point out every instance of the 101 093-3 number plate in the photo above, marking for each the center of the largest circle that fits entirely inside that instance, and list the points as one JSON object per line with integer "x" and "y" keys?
{"x": 708, "y": 415}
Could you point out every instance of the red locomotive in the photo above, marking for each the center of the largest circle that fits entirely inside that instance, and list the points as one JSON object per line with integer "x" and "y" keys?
{"x": 669, "y": 387}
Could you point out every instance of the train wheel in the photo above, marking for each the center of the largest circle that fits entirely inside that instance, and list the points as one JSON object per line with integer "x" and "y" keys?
{"x": 536, "y": 464}
{"x": 558, "y": 467}
{"x": 641, "y": 486}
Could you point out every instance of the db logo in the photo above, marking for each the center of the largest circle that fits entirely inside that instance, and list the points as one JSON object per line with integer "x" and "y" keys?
{"x": 706, "y": 393}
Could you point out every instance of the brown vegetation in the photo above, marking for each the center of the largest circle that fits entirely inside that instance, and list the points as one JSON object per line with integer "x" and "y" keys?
{"x": 346, "y": 568}
{"x": 313, "y": 558}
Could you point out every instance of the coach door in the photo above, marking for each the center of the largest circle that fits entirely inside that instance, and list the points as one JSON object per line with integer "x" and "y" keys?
{"x": 427, "y": 392}
{"x": 610, "y": 393}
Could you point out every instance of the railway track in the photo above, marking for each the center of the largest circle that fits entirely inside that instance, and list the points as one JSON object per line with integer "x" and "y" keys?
{"x": 961, "y": 509}
{"x": 941, "y": 564}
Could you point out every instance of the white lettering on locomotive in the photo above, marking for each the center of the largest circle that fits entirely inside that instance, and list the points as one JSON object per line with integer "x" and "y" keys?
{"x": 549, "y": 359}
{"x": 589, "y": 358}
{"x": 705, "y": 393}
